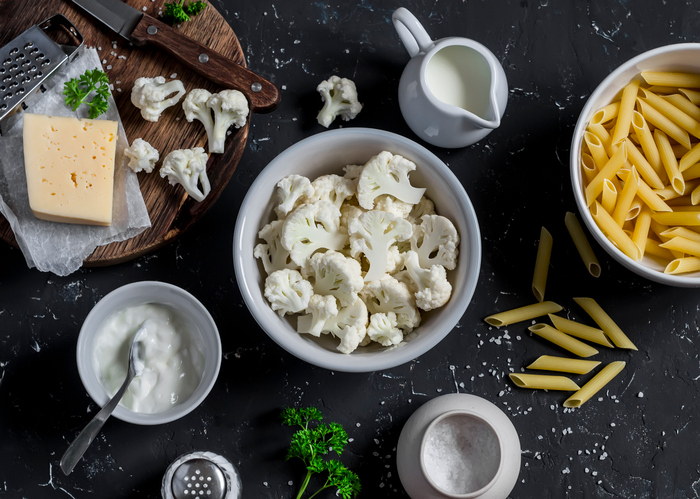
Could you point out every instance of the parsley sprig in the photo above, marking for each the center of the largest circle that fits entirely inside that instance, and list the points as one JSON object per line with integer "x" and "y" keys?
{"x": 178, "y": 12}
{"x": 312, "y": 442}
{"x": 79, "y": 89}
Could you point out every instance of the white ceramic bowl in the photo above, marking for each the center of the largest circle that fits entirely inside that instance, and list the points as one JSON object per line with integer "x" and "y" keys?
{"x": 683, "y": 57}
{"x": 325, "y": 153}
{"x": 201, "y": 326}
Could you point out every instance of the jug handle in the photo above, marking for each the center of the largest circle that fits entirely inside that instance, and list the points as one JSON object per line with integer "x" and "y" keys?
{"x": 411, "y": 32}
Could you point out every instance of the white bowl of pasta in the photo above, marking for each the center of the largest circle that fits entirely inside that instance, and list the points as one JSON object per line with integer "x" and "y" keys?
{"x": 635, "y": 167}
{"x": 327, "y": 153}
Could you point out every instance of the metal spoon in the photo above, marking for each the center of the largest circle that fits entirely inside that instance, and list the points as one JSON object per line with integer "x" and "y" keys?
{"x": 81, "y": 443}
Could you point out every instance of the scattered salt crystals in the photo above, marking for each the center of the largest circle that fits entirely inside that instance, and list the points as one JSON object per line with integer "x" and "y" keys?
{"x": 640, "y": 395}
{"x": 381, "y": 485}
{"x": 539, "y": 437}
{"x": 104, "y": 61}
{"x": 375, "y": 454}
{"x": 376, "y": 441}
{"x": 501, "y": 393}
{"x": 350, "y": 440}
{"x": 580, "y": 452}
{"x": 595, "y": 473}
{"x": 600, "y": 399}
{"x": 461, "y": 454}
{"x": 358, "y": 424}
{"x": 587, "y": 470}
{"x": 265, "y": 484}
{"x": 118, "y": 82}
{"x": 144, "y": 9}
{"x": 99, "y": 48}
{"x": 284, "y": 87}
{"x": 109, "y": 66}
{"x": 603, "y": 456}
{"x": 565, "y": 471}
{"x": 612, "y": 425}
{"x": 439, "y": 390}
{"x": 173, "y": 76}
{"x": 121, "y": 57}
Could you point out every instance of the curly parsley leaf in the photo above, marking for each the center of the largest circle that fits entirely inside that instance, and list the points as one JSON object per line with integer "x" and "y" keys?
{"x": 314, "y": 440}
{"x": 77, "y": 90}
{"x": 177, "y": 12}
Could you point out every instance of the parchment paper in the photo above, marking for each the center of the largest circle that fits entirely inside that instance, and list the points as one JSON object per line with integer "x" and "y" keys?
{"x": 57, "y": 247}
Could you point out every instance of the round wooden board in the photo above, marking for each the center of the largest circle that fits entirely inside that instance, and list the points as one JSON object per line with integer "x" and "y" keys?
{"x": 171, "y": 210}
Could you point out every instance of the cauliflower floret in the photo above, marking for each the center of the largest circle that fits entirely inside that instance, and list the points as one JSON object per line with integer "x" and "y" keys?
{"x": 424, "y": 207}
{"x": 142, "y": 156}
{"x": 331, "y": 273}
{"x": 287, "y": 291}
{"x": 387, "y": 174}
{"x": 352, "y": 173}
{"x": 433, "y": 288}
{"x": 230, "y": 108}
{"x": 149, "y": 95}
{"x": 383, "y": 329}
{"x": 389, "y": 295}
{"x": 350, "y": 325}
{"x": 372, "y": 234}
{"x": 320, "y": 309}
{"x": 272, "y": 254}
{"x": 188, "y": 167}
{"x": 395, "y": 260}
{"x": 392, "y": 205}
{"x": 292, "y": 192}
{"x": 339, "y": 96}
{"x": 437, "y": 236}
{"x": 332, "y": 188}
{"x": 312, "y": 227}
{"x": 347, "y": 213}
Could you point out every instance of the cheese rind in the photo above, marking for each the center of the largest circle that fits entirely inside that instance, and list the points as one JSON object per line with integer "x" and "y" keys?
{"x": 70, "y": 168}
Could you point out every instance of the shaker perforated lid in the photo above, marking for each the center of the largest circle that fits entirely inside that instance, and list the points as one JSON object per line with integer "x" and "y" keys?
{"x": 199, "y": 478}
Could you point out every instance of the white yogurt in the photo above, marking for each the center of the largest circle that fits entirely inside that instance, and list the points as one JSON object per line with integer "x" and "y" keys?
{"x": 173, "y": 359}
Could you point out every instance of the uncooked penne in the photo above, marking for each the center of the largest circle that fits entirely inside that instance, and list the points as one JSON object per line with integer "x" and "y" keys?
{"x": 563, "y": 364}
{"x": 603, "y": 135}
{"x": 653, "y": 248}
{"x": 522, "y": 313}
{"x": 646, "y": 140}
{"x": 624, "y": 115}
{"x": 606, "y": 114}
{"x": 596, "y": 383}
{"x": 588, "y": 166}
{"x": 683, "y": 103}
{"x": 544, "y": 252}
{"x": 669, "y": 161}
{"x": 582, "y": 245}
{"x": 646, "y": 171}
{"x": 672, "y": 113}
{"x": 692, "y": 95}
{"x": 641, "y": 229}
{"x": 678, "y": 218}
{"x": 596, "y": 149}
{"x": 609, "y": 196}
{"x": 573, "y": 328}
{"x": 692, "y": 173}
{"x": 650, "y": 198}
{"x": 614, "y": 232}
{"x": 690, "y": 158}
{"x": 624, "y": 200}
{"x": 563, "y": 340}
{"x": 682, "y": 232}
{"x": 595, "y": 187}
{"x": 682, "y": 245}
{"x": 670, "y": 79}
{"x": 656, "y": 118}
{"x": 634, "y": 209}
{"x": 544, "y": 382}
{"x": 609, "y": 327}
{"x": 683, "y": 265}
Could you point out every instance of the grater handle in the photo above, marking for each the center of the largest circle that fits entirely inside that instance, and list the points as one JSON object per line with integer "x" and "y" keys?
{"x": 262, "y": 94}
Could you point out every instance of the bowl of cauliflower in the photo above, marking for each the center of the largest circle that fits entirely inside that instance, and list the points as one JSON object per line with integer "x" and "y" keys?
{"x": 357, "y": 250}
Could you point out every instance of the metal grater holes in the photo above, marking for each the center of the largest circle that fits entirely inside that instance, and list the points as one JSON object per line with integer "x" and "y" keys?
{"x": 45, "y": 62}
{"x": 3, "y": 107}
{"x": 38, "y": 74}
{"x": 14, "y": 84}
{"x": 20, "y": 91}
{"x": 6, "y": 61}
{"x": 14, "y": 50}
{"x": 6, "y": 79}
{"x": 7, "y": 96}
{"x": 33, "y": 51}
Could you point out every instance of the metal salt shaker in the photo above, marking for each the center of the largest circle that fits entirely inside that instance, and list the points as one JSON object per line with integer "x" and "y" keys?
{"x": 201, "y": 475}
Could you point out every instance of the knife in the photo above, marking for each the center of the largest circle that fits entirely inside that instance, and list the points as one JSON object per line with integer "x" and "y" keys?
{"x": 142, "y": 29}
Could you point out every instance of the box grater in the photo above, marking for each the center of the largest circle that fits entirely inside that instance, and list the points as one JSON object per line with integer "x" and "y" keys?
{"x": 28, "y": 61}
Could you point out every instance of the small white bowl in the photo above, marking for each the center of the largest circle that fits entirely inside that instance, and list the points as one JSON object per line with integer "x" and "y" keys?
{"x": 683, "y": 57}
{"x": 202, "y": 327}
{"x": 325, "y": 153}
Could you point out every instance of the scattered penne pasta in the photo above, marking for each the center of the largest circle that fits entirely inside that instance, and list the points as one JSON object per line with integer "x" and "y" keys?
{"x": 544, "y": 382}
{"x": 565, "y": 341}
{"x": 582, "y": 245}
{"x": 522, "y": 313}
{"x": 563, "y": 364}
{"x": 609, "y": 327}
{"x": 544, "y": 252}
{"x": 582, "y": 331}
{"x": 596, "y": 383}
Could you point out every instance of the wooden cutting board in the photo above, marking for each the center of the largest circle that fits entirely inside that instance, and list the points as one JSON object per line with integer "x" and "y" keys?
{"x": 171, "y": 210}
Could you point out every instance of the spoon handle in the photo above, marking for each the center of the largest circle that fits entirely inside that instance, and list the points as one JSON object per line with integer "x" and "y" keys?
{"x": 76, "y": 450}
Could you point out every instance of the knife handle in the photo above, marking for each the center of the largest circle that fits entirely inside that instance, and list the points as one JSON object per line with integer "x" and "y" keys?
{"x": 262, "y": 94}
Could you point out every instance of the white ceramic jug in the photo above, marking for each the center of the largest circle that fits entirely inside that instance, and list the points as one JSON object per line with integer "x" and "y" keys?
{"x": 453, "y": 92}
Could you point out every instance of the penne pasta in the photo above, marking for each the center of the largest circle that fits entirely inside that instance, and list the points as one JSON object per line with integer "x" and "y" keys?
{"x": 614, "y": 232}
{"x": 609, "y": 196}
{"x": 544, "y": 251}
{"x": 582, "y": 331}
{"x": 682, "y": 103}
{"x": 634, "y": 209}
{"x": 650, "y": 198}
{"x": 595, "y": 187}
{"x": 603, "y": 135}
{"x": 677, "y": 218}
{"x": 695, "y": 196}
{"x": 672, "y": 113}
{"x": 679, "y": 150}
{"x": 653, "y": 248}
{"x": 682, "y": 232}
{"x": 646, "y": 171}
{"x": 544, "y": 382}
{"x": 522, "y": 313}
{"x": 682, "y": 245}
{"x": 563, "y": 364}
{"x": 565, "y": 341}
{"x": 582, "y": 245}
{"x": 692, "y": 172}
{"x": 668, "y": 159}
{"x": 606, "y": 114}
{"x": 668, "y": 79}
{"x": 596, "y": 149}
{"x": 596, "y": 383}
{"x": 609, "y": 327}
{"x": 624, "y": 115}
{"x": 683, "y": 265}
{"x": 692, "y": 95}
{"x": 658, "y": 89}
{"x": 656, "y": 118}
{"x": 641, "y": 229}
{"x": 588, "y": 166}
{"x": 690, "y": 158}
{"x": 646, "y": 141}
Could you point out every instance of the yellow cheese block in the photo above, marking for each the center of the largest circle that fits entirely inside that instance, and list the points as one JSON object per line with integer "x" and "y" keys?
{"x": 70, "y": 168}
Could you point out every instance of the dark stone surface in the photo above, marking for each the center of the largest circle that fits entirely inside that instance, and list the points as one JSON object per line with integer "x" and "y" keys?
{"x": 639, "y": 441}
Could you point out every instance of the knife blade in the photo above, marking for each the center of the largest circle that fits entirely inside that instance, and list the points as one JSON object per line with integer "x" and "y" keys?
{"x": 142, "y": 29}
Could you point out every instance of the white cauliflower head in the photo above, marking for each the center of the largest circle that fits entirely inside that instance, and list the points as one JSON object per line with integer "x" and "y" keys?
{"x": 230, "y": 107}
{"x": 350, "y": 325}
{"x": 392, "y": 205}
{"x": 386, "y": 173}
{"x": 424, "y": 207}
{"x": 195, "y": 108}
{"x": 320, "y": 309}
{"x": 389, "y": 295}
{"x": 312, "y": 227}
{"x": 287, "y": 291}
{"x": 352, "y": 173}
{"x": 436, "y": 241}
{"x": 292, "y": 191}
{"x": 271, "y": 253}
{"x": 372, "y": 234}
{"x": 331, "y": 273}
{"x": 188, "y": 167}
{"x": 142, "y": 156}
{"x": 433, "y": 288}
{"x": 333, "y": 188}
{"x": 383, "y": 329}
{"x": 150, "y": 96}
{"x": 339, "y": 96}
{"x": 347, "y": 213}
